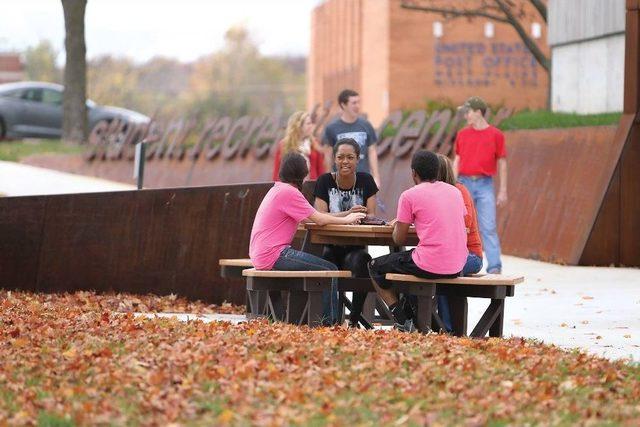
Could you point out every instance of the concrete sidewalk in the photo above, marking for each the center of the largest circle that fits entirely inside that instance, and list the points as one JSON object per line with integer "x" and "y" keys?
{"x": 22, "y": 180}
{"x": 593, "y": 308}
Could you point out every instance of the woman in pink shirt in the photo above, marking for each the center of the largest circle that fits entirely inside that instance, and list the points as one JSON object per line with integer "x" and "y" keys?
{"x": 276, "y": 222}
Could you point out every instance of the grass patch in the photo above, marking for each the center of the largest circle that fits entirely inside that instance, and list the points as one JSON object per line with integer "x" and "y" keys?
{"x": 543, "y": 119}
{"x": 51, "y": 420}
{"x": 15, "y": 151}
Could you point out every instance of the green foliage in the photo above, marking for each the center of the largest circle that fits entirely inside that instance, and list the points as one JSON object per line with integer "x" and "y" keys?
{"x": 235, "y": 81}
{"x": 40, "y": 63}
{"x": 544, "y": 119}
{"x": 16, "y": 151}
{"x": 238, "y": 80}
{"x": 432, "y": 105}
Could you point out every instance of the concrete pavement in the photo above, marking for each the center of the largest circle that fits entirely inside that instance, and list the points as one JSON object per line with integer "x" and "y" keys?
{"x": 22, "y": 180}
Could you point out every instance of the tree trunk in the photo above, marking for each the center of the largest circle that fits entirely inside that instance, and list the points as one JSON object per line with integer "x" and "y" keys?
{"x": 74, "y": 126}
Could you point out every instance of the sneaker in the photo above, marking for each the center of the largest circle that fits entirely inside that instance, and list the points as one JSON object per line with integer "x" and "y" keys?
{"x": 494, "y": 271}
{"x": 408, "y": 326}
{"x": 409, "y": 305}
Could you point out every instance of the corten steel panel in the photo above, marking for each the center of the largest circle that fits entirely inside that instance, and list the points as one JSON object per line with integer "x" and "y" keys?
{"x": 603, "y": 245}
{"x": 632, "y": 58}
{"x": 620, "y": 209}
{"x": 21, "y": 221}
{"x": 159, "y": 241}
{"x": 558, "y": 179}
{"x": 630, "y": 200}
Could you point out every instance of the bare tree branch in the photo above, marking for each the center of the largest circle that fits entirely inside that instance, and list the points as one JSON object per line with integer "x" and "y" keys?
{"x": 470, "y": 13}
{"x": 531, "y": 45}
{"x": 508, "y": 17}
{"x": 540, "y": 7}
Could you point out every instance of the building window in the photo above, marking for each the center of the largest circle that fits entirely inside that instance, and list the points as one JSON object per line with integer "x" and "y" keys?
{"x": 437, "y": 29}
{"x": 536, "y": 30}
{"x": 489, "y": 30}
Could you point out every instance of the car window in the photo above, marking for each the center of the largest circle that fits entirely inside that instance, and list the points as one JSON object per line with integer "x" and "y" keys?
{"x": 51, "y": 97}
{"x": 12, "y": 93}
{"x": 34, "y": 95}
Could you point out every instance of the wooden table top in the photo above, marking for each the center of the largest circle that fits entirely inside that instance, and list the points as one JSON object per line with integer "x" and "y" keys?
{"x": 356, "y": 234}
{"x": 358, "y": 228}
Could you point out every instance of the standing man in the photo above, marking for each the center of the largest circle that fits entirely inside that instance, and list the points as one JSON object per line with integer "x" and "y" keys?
{"x": 480, "y": 153}
{"x": 351, "y": 125}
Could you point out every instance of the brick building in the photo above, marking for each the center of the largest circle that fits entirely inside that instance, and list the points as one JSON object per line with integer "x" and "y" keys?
{"x": 11, "y": 68}
{"x": 398, "y": 58}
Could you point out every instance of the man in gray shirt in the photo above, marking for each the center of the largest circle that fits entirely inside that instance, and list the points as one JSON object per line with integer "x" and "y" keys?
{"x": 351, "y": 125}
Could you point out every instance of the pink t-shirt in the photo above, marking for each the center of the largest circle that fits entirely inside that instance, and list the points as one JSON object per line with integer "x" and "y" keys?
{"x": 274, "y": 227}
{"x": 437, "y": 211}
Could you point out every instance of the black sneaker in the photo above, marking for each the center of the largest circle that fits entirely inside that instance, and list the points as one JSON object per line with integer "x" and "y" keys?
{"x": 408, "y": 326}
{"x": 409, "y": 305}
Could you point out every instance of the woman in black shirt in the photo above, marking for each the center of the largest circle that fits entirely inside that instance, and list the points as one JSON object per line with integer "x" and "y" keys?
{"x": 340, "y": 193}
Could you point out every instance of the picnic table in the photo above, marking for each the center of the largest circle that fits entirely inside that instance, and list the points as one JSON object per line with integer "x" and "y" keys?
{"x": 302, "y": 296}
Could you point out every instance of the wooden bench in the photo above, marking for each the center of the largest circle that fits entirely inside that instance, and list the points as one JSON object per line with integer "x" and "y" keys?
{"x": 232, "y": 268}
{"x": 303, "y": 304}
{"x": 494, "y": 286}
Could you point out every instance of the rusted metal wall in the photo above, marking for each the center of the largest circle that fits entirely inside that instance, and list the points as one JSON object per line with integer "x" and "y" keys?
{"x": 557, "y": 179}
{"x": 159, "y": 241}
{"x": 615, "y": 236}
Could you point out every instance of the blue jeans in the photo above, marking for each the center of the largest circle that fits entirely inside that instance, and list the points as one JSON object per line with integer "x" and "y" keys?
{"x": 472, "y": 266}
{"x": 484, "y": 198}
{"x": 294, "y": 260}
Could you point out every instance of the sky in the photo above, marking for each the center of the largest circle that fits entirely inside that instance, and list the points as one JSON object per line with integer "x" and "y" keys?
{"x": 142, "y": 29}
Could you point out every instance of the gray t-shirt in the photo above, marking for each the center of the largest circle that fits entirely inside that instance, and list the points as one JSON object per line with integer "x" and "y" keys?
{"x": 360, "y": 130}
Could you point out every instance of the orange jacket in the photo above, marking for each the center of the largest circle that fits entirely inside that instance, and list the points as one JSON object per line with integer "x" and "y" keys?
{"x": 474, "y": 243}
{"x": 316, "y": 162}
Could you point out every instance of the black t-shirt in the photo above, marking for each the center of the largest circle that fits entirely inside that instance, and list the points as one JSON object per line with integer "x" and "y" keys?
{"x": 339, "y": 199}
{"x": 361, "y": 131}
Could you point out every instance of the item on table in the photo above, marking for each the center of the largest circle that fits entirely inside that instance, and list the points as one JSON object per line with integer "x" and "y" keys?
{"x": 372, "y": 220}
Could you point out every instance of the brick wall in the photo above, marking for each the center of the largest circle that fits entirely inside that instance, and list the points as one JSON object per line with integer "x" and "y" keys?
{"x": 399, "y": 63}
{"x": 11, "y": 68}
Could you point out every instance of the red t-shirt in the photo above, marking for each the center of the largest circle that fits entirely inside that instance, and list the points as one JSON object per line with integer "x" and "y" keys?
{"x": 479, "y": 150}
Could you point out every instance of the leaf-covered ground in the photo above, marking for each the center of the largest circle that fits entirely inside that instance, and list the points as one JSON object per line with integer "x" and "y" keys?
{"x": 79, "y": 360}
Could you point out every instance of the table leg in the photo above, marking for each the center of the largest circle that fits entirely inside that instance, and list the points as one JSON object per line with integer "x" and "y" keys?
{"x": 386, "y": 317}
{"x": 496, "y": 328}
{"x": 275, "y": 305}
{"x": 296, "y": 304}
{"x": 488, "y": 318}
{"x": 315, "y": 308}
{"x": 459, "y": 308}
{"x": 424, "y": 312}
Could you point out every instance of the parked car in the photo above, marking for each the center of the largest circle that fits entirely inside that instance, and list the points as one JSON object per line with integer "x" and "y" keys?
{"x": 34, "y": 109}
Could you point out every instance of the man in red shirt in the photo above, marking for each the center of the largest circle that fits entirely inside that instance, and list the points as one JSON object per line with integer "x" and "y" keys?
{"x": 480, "y": 154}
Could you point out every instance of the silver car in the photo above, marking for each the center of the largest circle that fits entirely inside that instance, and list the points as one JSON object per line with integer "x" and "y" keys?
{"x": 34, "y": 109}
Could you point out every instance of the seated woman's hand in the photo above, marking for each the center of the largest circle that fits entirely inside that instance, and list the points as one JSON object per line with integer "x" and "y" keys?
{"x": 358, "y": 209}
{"x": 354, "y": 218}
{"x": 392, "y": 222}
